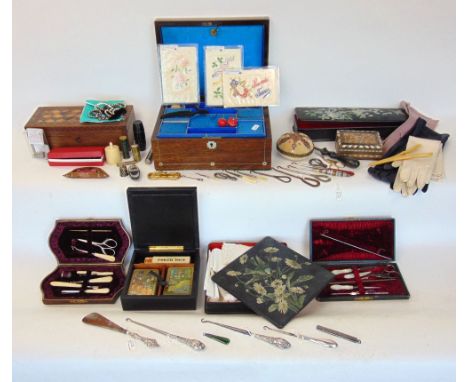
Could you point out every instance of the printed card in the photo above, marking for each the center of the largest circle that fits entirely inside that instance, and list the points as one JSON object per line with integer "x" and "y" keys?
{"x": 179, "y": 73}
{"x": 251, "y": 87}
{"x": 217, "y": 60}
{"x": 179, "y": 281}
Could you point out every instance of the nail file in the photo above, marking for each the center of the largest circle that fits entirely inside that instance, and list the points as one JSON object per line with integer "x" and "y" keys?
{"x": 336, "y": 333}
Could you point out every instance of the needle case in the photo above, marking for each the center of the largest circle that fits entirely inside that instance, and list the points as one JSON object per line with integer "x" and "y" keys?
{"x": 198, "y": 142}
{"x": 164, "y": 223}
{"x": 361, "y": 254}
{"x": 71, "y": 242}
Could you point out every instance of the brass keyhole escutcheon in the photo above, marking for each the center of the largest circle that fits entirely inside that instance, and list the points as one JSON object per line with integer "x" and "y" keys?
{"x": 214, "y": 32}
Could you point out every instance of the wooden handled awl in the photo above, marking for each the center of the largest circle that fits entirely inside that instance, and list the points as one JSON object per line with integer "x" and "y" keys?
{"x": 97, "y": 319}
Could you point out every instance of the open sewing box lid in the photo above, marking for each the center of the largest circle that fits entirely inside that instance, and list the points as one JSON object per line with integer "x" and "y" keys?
{"x": 72, "y": 236}
{"x": 251, "y": 33}
{"x": 163, "y": 217}
{"x": 352, "y": 240}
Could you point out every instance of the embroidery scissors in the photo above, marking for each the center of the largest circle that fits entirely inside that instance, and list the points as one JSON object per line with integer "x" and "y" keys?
{"x": 320, "y": 166}
{"x": 312, "y": 180}
{"x": 107, "y": 246}
{"x": 337, "y": 160}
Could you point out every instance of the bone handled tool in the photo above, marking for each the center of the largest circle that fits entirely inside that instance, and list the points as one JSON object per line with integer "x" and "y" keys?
{"x": 275, "y": 341}
{"x": 193, "y": 343}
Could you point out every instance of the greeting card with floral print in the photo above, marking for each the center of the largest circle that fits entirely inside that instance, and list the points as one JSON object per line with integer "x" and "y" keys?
{"x": 251, "y": 87}
{"x": 273, "y": 280}
{"x": 179, "y": 73}
{"x": 217, "y": 60}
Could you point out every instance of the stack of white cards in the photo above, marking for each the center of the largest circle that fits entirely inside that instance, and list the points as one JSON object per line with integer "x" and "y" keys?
{"x": 217, "y": 260}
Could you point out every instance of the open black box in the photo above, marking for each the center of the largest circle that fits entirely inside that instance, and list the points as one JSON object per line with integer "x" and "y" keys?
{"x": 164, "y": 221}
{"x": 362, "y": 251}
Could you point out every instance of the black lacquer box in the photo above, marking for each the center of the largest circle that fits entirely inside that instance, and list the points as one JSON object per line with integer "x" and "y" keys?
{"x": 164, "y": 223}
{"x": 90, "y": 255}
{"x": 361, "y": 255}
{"x": 322, "y": 123}
{"x": 273, "y": 280}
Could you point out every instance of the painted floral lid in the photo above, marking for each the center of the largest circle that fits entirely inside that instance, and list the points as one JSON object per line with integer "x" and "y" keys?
{"x": 273, "y": 280}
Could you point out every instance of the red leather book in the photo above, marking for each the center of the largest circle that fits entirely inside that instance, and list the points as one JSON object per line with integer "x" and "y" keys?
{"x": 76, "y": 156}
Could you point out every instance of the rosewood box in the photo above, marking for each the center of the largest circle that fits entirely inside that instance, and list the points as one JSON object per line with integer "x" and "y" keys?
{"x": 90, "y": 255}
{"x": 321, "y": 123}
{"x": 62, "y": 127}
{"x": 164, "y": 223}
{"x": 196, "y": 142}
{"x": 361, "y": 255}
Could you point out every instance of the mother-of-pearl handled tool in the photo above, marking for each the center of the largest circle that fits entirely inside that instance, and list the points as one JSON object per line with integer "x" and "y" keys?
{"x": 99, "y": 280}
{"x": 66, "y": 284}
{"x": 97, "y": 291}
{"x": 193, "y": 343}
{"x": 321, "y": 341}
{"x": 275, "y": 341}
{"x": 98, "y": 320}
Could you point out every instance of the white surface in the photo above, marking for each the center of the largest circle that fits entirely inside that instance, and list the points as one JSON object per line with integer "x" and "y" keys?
{"x": 331, "y": 53}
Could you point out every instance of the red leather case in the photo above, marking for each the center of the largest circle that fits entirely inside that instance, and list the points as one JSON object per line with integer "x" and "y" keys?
{"x": 76, "y": 156}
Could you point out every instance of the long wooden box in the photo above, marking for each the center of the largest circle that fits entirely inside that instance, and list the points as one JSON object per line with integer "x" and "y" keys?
{"x": 212, "y": 152}
{"x": 62, "y": 127}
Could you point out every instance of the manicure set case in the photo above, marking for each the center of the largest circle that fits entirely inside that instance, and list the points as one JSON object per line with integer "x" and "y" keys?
{"x": 362, "y": 251}
{"x": 164, "y": 222}
{"x": 198, "y": 142}
{"x": 62, "y": 127}
{"x": 64, "y": 238}
{"x": 322, "y": 123}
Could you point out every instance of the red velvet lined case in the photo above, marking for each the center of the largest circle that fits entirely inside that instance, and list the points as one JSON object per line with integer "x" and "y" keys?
{"x": 361, "y": 254}
{"x": 73, "y": 243}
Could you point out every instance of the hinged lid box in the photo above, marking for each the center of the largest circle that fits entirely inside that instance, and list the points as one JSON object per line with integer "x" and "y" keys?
{"x": 197, "y": 142}
{"x": 62, "y": 127}
{"x": 90, "y": 255}
{"x": 361, "y": 255}
{"x": 164, "y": 223}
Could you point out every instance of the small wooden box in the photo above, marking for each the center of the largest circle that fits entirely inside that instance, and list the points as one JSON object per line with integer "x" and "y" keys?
{"x": 62, "y": 127}
{"x": 213, "y": 150}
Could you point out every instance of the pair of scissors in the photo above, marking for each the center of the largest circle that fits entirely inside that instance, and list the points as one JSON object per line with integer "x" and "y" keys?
{"x": 107, "y": 246}
{"x": 339, "y": 161}
{"x": 311, "y": 180}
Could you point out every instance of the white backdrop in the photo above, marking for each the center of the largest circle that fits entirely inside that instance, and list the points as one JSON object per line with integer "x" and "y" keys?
{"x": 330, "y": 53}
